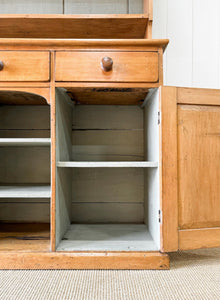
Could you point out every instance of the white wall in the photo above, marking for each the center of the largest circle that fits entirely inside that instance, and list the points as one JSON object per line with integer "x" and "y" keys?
{"x": 192, "y": 58}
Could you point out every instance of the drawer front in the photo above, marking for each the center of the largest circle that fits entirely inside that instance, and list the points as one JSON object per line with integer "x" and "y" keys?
{"x": 24, "y": 66}
{"x": 127, "y": 66}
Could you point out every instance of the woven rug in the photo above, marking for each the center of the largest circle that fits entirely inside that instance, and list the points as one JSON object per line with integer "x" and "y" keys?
{"x": 193, "y": 275}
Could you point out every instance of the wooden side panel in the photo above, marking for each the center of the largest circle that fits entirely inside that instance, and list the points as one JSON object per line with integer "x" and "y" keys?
{"x": 86, "y": 260}
{"x": 95, "y": 7}
{"x": 190, "y": 239}
{"x": 168, "y": 171}
{"x": 199, "y": 166}
{"x": 31, "y": 7}
{"x": 148, "y": 8}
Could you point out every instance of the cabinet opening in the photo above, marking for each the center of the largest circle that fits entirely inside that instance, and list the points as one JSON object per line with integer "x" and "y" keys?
{"x": 107, "y": 176}
{"x": 24, "y": 172}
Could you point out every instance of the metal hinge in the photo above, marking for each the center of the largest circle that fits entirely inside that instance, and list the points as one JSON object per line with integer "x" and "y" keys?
{"x": 158, "y": 117}
{"x": 159, "y": 216}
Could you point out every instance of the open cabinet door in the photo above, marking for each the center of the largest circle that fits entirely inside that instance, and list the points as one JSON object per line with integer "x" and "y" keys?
{"x": 193, "y": 220}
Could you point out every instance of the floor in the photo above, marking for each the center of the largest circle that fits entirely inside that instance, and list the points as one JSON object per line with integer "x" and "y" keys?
{"x": 193, "y": 275}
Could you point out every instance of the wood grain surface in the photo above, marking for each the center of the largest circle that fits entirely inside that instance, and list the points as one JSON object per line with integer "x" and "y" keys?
{"x": 199, "y": 166}
{"x": 24, "y": 66}
{"x": 127, "y": 66}
{"x": 86, "y": 260}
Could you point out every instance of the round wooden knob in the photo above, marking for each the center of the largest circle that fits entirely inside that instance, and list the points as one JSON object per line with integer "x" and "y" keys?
{"x": 1, "y": 65}
{"x": 107, "y": 63}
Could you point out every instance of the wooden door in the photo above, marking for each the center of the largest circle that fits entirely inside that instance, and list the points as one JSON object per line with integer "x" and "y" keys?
{"x": 191, "y": 214}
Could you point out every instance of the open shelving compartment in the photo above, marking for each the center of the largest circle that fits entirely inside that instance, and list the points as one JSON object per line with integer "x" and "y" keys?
{"x": 24, "y": 172}
{"x": 107, "y": 175}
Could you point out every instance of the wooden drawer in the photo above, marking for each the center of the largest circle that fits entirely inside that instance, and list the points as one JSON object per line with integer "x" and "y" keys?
{"x": 24, "y": 66}
{"x": 127, "y": 66}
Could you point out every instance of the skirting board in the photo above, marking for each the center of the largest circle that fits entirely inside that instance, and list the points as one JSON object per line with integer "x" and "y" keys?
{"x": 85, "y": 260}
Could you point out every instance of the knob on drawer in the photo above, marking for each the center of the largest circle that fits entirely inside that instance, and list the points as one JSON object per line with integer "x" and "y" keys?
{"x": 107, "y": 63}
{"x": 1, "y": 65}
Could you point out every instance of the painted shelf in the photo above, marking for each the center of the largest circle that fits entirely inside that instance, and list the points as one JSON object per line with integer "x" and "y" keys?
{"x": 21, "y": 142}
{"x": 25, "y": 191}
{"x": 107, "y": 164}
{"x": 118, "y": 26}
{"x": 107, "y": 237}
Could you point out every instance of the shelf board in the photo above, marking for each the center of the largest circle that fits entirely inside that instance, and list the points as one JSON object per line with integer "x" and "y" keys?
{"x": 107, "y": 164}
{"x": 100, "y": 26}
{"x": 107, "y": 237}
{"x": 25, "y": 191}
{"x": 21, "y": 142}
{"x": 25, "y": 237}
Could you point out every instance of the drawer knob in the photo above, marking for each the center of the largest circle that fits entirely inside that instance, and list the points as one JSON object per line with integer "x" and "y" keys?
{"x": 1, "y": 65}
{"x": 107, "y": 63}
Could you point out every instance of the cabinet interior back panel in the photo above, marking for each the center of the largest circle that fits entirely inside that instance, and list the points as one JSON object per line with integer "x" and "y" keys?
{"x": 25, "y": 117}
{"x": 135, "y": 6}
{"x": 24, "y": 166}
{"x": 21, "y": 211}
{"x": 31, "y": 6}
{"x": 105, "y": 195}
{"x": 95, "y": 7}
{"x": 107, "y": 133}
{"x": 32, "y": 164}
{"x": 71, "y": 6}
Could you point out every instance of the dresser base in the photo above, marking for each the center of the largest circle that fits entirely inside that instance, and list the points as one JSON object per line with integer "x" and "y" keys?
{"x": 85, "y": 260}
